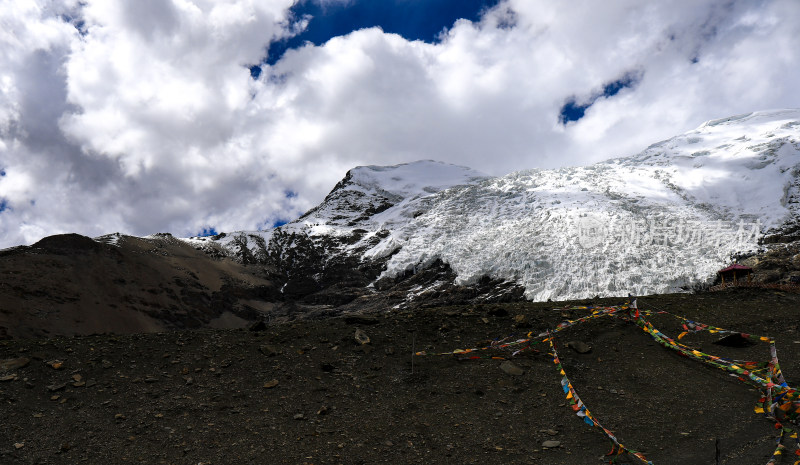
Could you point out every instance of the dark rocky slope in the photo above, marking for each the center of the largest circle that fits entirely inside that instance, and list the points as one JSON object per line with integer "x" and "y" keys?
{"x": 308, "y": 392}
{"x": 70, "y": 284}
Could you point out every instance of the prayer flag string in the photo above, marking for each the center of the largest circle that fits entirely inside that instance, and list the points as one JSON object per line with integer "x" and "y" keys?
{"x": 779, "y": 402}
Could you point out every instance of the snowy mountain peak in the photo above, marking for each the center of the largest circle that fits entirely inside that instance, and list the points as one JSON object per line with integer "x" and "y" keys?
{"x": 756, "y": 117}
{"x": 742, "y": 166}
{"x": 660, "y": 221}
{"x": 415, "y": 179}
{"x": 367, "y": 191}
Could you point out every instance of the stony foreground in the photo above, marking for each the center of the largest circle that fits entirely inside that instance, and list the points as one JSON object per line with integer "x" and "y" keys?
{"x": 311, "y": 392}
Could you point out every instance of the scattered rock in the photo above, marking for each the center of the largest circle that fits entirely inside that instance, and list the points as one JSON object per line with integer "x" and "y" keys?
{"x": 14, "y": 363}
{"x": 269, "y": 350}
{"x": 77, "y": 377}
{"x": 550, "y": 444}
{"x": 19, "y": 445}
{"x": 119, "y": 416}
{"x": 56, "y": 387}
{"x": 361, "y": 337}
{"x": 497, "y": 311}
{"x": 327, "y": 367}
{"x": 106, "y": 364}
{"x": 299, "y": 416}
{"x": 11, "y": 377}
{"x": 551, "y": 432}
{"x": 579, "y": 347}
{"x": 521, "y": 321}
{"x": 271, "y": 384}
{"x": 323, "y": 410}
{"x": 511, "y": 369}
{"x": 56, "y": 364}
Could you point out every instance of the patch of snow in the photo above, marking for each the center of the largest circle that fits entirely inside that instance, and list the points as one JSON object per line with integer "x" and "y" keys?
{"x": 110, "y": 239}
{"x": 231, "y": 243}
{"x": 416, "y": 179}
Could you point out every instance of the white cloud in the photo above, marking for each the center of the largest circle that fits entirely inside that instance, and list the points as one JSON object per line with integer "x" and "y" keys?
{"x": 150, "y": 121}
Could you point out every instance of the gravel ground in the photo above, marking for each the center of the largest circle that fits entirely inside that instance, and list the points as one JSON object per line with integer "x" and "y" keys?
{"x": 310, "y": 392}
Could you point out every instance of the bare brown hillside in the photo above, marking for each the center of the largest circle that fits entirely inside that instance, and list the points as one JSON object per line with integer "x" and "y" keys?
{"x": 71, "y": 284}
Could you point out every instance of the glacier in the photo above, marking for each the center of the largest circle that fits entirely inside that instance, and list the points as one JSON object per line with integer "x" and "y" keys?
{"x": 661, "y": 221}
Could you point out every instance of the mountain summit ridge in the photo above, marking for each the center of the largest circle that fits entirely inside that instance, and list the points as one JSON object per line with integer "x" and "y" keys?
{"x": 663, "y": 220}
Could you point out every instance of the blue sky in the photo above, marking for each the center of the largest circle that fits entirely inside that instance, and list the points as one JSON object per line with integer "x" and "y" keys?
{"x": 575, "y": 108}
{"x": 144, "y": 116}
{"x": 413, "y": 19}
